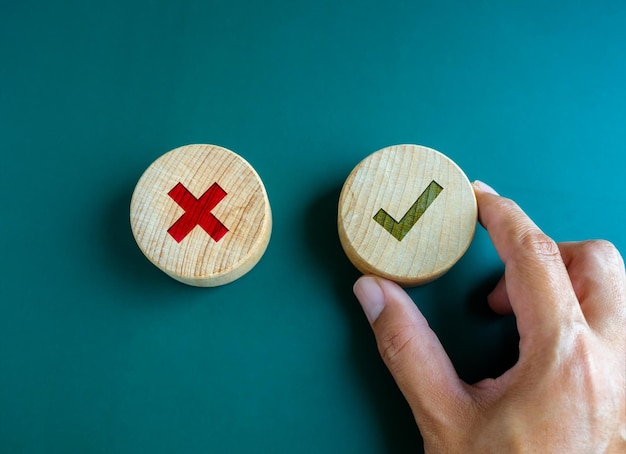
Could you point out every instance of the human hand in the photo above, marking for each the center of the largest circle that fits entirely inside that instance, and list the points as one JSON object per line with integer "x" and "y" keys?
{"x": 567, "y": 391}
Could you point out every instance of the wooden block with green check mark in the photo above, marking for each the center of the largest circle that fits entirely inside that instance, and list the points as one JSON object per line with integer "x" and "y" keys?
{"x": 399, "y": 229}
{"x": 407, "y": 213}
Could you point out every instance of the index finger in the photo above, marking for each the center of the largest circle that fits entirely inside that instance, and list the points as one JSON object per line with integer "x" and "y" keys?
{"x": 537, "y": 282}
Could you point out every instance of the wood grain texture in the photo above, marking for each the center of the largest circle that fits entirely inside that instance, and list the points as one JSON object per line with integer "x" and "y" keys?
{"x": 198, "y": 259}
{"x": 417, "y": 239}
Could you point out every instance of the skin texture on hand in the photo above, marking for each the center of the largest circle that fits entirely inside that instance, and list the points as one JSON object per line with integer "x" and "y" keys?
{"x": 567, "y": 391}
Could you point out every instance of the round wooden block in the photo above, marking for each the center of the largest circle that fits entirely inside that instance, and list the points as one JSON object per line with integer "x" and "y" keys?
{"x": 201, "y": 214}
{"x": 406, "y": 213}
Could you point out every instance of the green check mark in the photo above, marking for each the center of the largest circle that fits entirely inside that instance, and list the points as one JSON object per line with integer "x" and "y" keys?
{"x": 401, "y": 228}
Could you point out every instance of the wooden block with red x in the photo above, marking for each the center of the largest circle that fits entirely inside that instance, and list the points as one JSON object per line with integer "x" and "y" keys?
{"x": 201, "y": 214}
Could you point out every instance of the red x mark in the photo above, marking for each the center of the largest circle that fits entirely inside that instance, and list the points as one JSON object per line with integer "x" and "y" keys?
{"x": 197, "y": 212}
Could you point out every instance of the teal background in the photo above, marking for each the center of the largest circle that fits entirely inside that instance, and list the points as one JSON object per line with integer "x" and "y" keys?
{"x": 100, "y": 352}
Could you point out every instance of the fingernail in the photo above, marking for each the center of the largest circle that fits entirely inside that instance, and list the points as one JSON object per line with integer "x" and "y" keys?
{"x": 484, "y": 187}
{"x": 371, "y": 297}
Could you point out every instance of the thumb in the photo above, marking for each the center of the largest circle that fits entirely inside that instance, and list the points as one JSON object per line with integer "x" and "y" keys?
{"x": 413, "y": 353}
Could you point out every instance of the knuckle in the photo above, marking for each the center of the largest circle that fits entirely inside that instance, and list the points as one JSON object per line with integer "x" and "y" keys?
{"x": 537, "y": 243}
{"x": 394, "y": 343}
{"x": 602, "y": 250}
